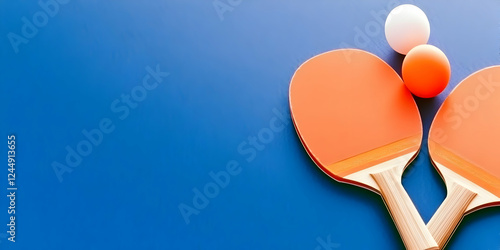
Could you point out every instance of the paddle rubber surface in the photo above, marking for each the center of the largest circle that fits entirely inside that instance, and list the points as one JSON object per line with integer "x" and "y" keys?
{"x": 352, "y": 111}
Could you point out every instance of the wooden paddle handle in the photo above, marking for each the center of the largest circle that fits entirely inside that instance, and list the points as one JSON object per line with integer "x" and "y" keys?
{"x": 410, "y": 225}
{"x": 450, "y": 213}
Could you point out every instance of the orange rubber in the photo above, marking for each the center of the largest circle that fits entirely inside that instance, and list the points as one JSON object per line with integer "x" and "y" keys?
{"x": 465, "y": 134}
{"x": 348, "y": 103}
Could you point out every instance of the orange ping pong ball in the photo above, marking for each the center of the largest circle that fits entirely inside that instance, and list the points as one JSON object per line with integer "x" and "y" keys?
{"x": 426, "y": 71}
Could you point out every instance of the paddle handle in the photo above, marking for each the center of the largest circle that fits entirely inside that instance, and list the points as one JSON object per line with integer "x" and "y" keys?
{"x": 444, "y": 222}
{"x": 410, "y": 225}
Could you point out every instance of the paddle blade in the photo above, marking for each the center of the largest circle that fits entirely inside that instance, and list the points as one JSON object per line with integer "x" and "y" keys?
{"x": 352, "y": 111}
{"x": 465, "y": 134}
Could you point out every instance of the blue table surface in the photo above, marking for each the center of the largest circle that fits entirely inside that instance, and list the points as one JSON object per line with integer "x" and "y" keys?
{"x": 186, "y": 107}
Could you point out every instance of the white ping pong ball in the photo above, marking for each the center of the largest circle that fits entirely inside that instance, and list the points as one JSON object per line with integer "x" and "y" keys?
{"x": 406, "y": 26}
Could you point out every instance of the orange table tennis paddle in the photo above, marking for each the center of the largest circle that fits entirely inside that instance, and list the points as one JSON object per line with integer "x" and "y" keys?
{"x": 464, "y": 144}
{"x": 360, "y": 125}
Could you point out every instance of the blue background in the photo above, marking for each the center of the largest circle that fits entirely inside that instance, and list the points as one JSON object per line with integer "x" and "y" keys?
{"x": 226, "y": 77}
